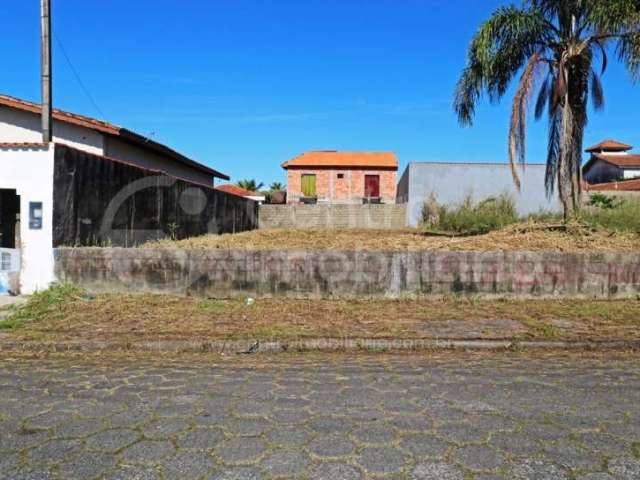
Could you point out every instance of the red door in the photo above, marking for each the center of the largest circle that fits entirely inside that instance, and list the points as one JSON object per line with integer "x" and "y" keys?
{"x": 372, "y": 186}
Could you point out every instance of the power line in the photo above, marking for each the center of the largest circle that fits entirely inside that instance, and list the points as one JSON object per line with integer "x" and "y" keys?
{"x": 77, "y": 75}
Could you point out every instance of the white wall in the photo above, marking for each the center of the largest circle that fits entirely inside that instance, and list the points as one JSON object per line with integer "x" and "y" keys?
{"x": 17, "y": 126}
{"x": 631, "y": 173}
{"x": 30, "y": 172}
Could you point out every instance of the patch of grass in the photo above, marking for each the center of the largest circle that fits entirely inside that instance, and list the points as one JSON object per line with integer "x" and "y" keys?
{"x": 621, "y": 215}
{"x": 41, "y": 304}
{"x": 475, "y": 218}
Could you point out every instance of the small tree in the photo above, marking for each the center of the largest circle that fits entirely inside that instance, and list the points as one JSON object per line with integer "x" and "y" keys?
{"x": 554, "y": 45}
{"x": 276, "y": 187}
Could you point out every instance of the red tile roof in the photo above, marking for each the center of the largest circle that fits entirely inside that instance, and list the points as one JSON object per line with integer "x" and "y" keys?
{"x": 632, "y": 185}
{"x": 235, "y": 190}
{"x": 610, "y": 145}
{"x": 332, "y": 158}
{"x": 21, "y": 145}
{"x": 110, "y": 129}
{"x": 623, "y": 161}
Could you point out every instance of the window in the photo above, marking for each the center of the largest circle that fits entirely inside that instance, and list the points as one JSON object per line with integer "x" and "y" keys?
{"x": 309, "y": 185}
{"x": 340, "y": 176}
{"x": 5, "y": 262}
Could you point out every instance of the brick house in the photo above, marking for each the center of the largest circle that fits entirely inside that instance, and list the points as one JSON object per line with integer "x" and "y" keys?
{"x": 342, "y": 177}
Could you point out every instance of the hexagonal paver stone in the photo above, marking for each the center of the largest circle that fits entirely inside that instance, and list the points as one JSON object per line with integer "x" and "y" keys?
{"x": 87, "y": 465}
{"x": 11, "y": 442}
{"x": 411, "y": 423}
{"x": 188, "y": 465}
{"x": 240, "y": 450}
{"x": 462, "y": 433}
{"x": 54, "y": 451}
{"x": 78, "y": 428}
{"x": 537, "y": 470}
{"x": 374, "y": 434}
{"x": 241, "y": 473}
{"x": 625, "y": 468}
{"x": 133, "y": 472}
{"x": 424, "y": 445}
{"x": 515, "y": 443}
{"x": 112, "y": 440}
{"x": 436, "y": 471}
{"x": 381, "y": 460}
{"x": 148, "y": 451}
{"x": 326, "y": 425}
{"x": 478, "y": 457}
{"x": 165, "y": 428}
{"x": 201, "y": 439}
{"x": 572, "y": 456}
{"x": 595, "y": 476}
{"x": 285, "y": 463}
{"x": 32, "y": 474}
{"x": 289, "y": 435}
{"x": 248, "y": 427}
{"x": 336, "y": 471}
{"x": 332, "y": 446}
{"x": 8, "y": 462}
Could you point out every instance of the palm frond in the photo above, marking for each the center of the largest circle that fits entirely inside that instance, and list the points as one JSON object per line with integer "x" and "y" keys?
{"x": 498, "y": 51}
{"x": 597, "y": 92}
{"x": 543, "y": 96}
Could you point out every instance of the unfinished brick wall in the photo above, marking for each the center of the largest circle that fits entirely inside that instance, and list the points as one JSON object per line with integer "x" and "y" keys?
{"x": 341, "y": 185}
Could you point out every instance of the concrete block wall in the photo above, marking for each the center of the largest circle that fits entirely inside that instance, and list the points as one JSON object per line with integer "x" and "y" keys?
{"x": 388, "y": 216}
{"x": 220, "y": 273}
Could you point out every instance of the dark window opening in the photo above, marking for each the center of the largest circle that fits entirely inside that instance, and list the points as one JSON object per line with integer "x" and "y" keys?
{"x": 9, "y": 218}
{"x": 340, "y": 176}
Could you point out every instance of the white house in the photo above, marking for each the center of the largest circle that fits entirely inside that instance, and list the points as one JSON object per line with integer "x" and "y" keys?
{"x": 27, "y": 185}
{"x": 611, "y": 162}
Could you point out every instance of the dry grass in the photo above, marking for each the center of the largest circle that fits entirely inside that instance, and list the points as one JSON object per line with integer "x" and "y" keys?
{"x": 529, "y": 236}
{"x": 154, "y": 317}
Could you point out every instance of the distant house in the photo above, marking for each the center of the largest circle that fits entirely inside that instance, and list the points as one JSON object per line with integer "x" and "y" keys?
{"x": 342, "y": 177}
{"x": 241, "y": 192}
{"x": 611, "y": 162}
{"x": 450, "y": 183}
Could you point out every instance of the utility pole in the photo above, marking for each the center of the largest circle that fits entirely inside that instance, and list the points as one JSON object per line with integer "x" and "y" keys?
{"x": 45, "y": 62}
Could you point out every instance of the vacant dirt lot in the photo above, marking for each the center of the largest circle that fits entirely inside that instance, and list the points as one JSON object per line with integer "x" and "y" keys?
{"x": 525, "y": 236}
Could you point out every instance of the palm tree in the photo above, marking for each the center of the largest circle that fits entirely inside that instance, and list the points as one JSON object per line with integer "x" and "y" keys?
{"x": 276, "y": 187}
{"x": 560, "y": 49}
{"x": 250, "y": 185}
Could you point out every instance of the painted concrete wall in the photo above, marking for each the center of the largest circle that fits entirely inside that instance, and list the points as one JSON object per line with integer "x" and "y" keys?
{"x": 143, "y": 158}
{"x": 30, "y": 172}
{"x": 631, "y": 173}
{"x": 222, "y": 273}
{"x": 346, "y": 190}
{"x": 17, "y": 126}
{"x": 452, "y": 182}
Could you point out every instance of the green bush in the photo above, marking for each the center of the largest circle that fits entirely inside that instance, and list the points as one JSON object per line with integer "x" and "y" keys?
{"x": 620, "y": 215}
{"x": 473, "y": 218}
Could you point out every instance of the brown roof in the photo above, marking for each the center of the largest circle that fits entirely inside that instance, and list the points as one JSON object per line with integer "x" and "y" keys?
{"x": 332, "y": 158}
{"x": 112, "y": 130}
{"x": 610, "y": 145}
{"x": 623, "y": 161}
{"x": 235, "y": 190}
{"x": 632, "y": 185}
{"x": 21, "y": 145}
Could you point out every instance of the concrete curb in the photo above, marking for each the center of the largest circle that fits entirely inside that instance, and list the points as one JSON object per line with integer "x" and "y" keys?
{"x": 314, "y": 345}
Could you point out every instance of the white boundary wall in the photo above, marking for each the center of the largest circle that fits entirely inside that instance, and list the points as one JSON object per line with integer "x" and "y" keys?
{"x": 29, "y": 171}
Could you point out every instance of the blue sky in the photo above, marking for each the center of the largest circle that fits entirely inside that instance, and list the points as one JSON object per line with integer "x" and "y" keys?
{"x": 243, "y": 85}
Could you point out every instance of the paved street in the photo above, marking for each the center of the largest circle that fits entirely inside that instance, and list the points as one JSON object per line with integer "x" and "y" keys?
{"x": 334, "y": 417}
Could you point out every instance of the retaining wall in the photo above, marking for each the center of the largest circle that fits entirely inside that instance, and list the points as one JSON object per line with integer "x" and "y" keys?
{"x": 220, "y": 273}
{"x": 386, "y": 216}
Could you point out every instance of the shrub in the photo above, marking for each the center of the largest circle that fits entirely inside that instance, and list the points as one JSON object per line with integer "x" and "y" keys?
{"x": 623, "y": 215}
{"x": 473, "y": 218}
